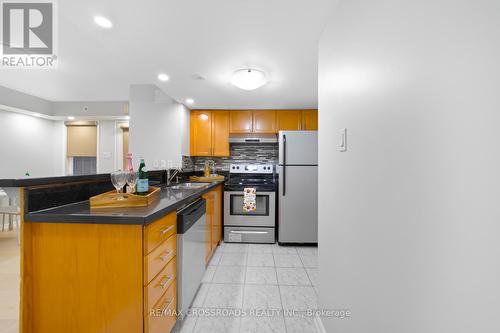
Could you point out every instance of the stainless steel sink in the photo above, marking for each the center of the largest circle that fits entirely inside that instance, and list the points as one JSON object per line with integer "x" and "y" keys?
{"x": 189, "y": 186}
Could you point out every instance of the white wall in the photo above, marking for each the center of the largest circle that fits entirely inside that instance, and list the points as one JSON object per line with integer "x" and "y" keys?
{"x": 89, "y": 109}
{"x": 16, "y": 99}
{"x": 106, "y": 147}
{"x": 409, "y": 215}
{"x": 159, "y": 127}
{"x": 30, "y": 144}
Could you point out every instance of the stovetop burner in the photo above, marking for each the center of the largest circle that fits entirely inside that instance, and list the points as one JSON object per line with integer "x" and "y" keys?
{"x": 262, "y": 177}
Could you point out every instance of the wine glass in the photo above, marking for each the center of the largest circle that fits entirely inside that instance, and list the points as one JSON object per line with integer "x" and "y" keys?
{"x": 119, "y": 178}
{"x": 132, "y": 178}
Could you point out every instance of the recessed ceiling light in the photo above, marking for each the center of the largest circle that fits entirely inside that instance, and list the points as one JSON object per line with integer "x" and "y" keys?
{"x": 36, "y": 114}
{"x": 189, "y": 100}
{"x": 163, "y": 77}
{"x": 248, "y": 79}
{"x": 103, "y": 22}
{"x": 71, "y": 118}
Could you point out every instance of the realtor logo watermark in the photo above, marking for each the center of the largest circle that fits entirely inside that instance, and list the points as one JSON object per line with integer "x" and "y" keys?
{"x": 28, "y": 34}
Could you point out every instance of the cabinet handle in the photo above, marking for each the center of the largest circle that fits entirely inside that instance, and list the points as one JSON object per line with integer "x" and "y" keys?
{"x": 168, "y": 303}
{"x": 164, "y": 231}
{"x": 166, "y": 281}
{"x": 165, "y": 255}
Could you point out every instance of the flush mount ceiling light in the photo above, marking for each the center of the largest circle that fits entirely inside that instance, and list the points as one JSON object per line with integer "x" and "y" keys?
{"x": 71, "y": 118}
{"x": 189, "y": 100}
{"x": 163, "y": 77}
{"x": 103, "y": 22}
{"x": 248, "y": 79}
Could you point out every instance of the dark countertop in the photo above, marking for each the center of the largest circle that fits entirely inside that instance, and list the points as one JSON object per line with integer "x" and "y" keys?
{"x": 80, "y": 212}
{"x": 31, "y": 181}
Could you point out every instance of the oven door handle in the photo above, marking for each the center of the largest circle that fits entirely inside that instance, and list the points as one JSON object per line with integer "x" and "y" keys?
{"x": 249, "y": 232}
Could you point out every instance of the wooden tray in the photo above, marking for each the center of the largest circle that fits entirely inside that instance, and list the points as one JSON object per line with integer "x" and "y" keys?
{"x": 110, "y": 199}
{"x": 208, "y": 179}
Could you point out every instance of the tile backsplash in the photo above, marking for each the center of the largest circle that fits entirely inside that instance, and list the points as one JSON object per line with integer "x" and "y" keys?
{"x": 263, "y": 153}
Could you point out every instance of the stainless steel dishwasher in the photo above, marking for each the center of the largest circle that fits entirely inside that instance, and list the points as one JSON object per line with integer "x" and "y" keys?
{"x": 191, "y": 229}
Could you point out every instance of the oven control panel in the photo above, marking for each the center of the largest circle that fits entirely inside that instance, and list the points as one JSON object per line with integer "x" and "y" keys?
{"x": 251, "y": 168}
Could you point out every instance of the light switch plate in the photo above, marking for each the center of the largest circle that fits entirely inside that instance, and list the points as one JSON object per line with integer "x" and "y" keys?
{"x": 343, "y": 140}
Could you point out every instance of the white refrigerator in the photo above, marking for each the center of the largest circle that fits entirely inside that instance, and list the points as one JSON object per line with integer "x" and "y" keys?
{"x": 298, "y": 187}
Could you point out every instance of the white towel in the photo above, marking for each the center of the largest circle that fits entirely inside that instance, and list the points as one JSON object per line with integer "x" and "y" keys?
{"x": 249, "y": 199}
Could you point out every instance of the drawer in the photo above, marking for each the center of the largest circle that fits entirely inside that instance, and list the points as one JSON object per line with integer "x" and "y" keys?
{"x": 159, "y": 258}
{"x": 155, "y": 289}
{"x": 161, "y": 317}
{"x": 159, "y": 231}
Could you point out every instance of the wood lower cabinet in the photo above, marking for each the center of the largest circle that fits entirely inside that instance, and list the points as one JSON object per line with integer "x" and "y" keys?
{"x": 85, "y": 278}
{"x": 241, "y": 121}
{"x": 213, "y": 233}
{"x": 309, "y": 120}
{"x": 289, "y": 120}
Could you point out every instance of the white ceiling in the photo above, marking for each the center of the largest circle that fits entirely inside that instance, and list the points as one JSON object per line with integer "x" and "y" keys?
{"x": 183, "y": 38}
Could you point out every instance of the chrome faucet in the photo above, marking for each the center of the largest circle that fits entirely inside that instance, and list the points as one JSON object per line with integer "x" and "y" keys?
{"x": 171, "y": 175}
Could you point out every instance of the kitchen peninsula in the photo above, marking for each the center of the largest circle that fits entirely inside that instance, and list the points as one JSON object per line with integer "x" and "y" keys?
{"x": 105, "y": 270}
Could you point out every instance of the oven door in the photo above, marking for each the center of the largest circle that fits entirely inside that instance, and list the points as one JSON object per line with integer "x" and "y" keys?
{"x": 264, "y": 216}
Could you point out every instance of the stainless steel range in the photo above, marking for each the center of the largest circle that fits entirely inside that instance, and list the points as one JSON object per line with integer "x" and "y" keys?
{"x": 256, "y": 226}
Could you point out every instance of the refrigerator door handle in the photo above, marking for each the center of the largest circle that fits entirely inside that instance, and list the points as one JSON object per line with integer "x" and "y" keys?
{"x": 284, "y": 165}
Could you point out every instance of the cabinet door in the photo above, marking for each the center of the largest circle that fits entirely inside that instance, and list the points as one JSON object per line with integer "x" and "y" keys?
{"x": 241, "y": 122}
{"x": 289, "y": 120}
{"x": 201, "y": 133}
{"x": 310, "y": 120}
{"x": 209, "y": 215}
{"x": 220, "y": 133}
{"x": 217, "y": 225}
{"x": 264, "y": 121}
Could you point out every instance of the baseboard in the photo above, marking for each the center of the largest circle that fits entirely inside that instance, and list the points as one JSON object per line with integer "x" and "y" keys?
{"x": 319, "y": 324}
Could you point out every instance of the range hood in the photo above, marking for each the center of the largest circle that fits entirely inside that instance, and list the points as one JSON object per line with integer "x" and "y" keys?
{"x": 253, "y": 138}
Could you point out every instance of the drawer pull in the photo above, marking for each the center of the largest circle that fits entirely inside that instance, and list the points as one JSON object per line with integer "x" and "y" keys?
{"x": 167, "y": 304}
{"x": 167, "y": 280}
{"x": 164, "y": 231}
{"x": 165, "y": 255}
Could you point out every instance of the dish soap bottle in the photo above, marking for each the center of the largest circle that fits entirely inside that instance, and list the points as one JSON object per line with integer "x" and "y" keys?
{"x": 143, "y": 182}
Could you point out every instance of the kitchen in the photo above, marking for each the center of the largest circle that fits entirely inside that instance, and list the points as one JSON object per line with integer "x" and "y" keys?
{"x": 263, "y": 166}
{"x": 195, "y": 234}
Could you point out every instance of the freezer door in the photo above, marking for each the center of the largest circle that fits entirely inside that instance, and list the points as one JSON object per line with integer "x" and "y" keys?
{"x": 298, "y": 206}
{"x": 298, "y": 147}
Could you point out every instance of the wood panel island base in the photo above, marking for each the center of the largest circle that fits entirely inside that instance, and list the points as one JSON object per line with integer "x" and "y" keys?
{"x": 113, "y": 272}
{"x": 99, "y": 277}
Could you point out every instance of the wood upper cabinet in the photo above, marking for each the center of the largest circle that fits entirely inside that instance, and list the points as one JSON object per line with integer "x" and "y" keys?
{"x": 241, "y": 121}
{"x": 264, "y": 121}
{"x": 209, "y": 133}
{"x": 289, "y": 120}
{"x": 220, "y": 133}
{"x": 310, "y": 120}
{"x": 201, "y": 133}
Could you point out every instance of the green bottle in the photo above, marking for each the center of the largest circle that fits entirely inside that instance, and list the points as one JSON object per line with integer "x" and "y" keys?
{"x": 143, "y": 181}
